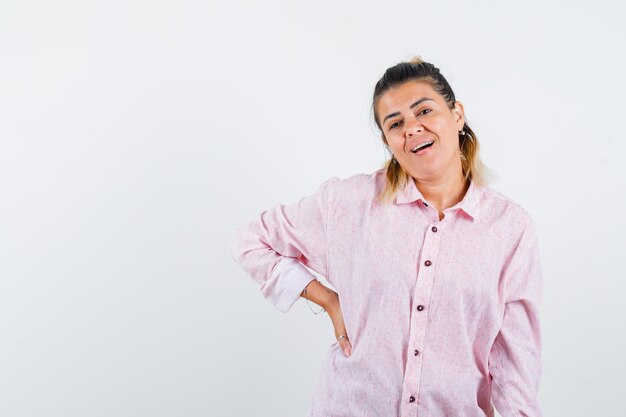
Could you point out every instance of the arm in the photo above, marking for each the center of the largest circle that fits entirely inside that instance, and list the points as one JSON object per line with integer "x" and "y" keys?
{"x": 329, "y": 299}
{"x": 322, "y": 296}
{"x": 275, "y": 248}
{"x": 515, "y": 358}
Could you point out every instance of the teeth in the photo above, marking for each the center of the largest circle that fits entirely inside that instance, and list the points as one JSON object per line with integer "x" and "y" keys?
{"x": 420, "y": 146}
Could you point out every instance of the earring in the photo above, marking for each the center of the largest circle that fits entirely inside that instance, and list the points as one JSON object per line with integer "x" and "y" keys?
{"x": 463, "y": 130}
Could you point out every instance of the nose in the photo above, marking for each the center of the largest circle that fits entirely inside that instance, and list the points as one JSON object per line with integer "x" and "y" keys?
{"x": 412, "y": 127}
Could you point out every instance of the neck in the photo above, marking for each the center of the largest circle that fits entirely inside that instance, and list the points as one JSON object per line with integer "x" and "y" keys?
{"x": 443, "y": 192}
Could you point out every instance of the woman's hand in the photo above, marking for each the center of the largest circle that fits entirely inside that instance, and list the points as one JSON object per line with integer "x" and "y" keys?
{"x": 329, "y": 300}
{"x": 334, "y": 312}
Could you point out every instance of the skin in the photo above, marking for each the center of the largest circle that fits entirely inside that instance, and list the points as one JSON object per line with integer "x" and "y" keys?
{"x": 329, "y": 299}
{"x": 438, "y": 173}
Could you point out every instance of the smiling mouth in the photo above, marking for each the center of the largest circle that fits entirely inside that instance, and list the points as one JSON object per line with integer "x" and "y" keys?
{"x": 422, "y": 147}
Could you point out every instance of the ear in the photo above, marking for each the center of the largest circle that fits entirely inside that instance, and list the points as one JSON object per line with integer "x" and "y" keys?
{"x": 459, "y": 115}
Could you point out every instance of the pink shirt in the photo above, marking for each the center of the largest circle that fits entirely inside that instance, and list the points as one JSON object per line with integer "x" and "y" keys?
{"x": 443, "y": 316}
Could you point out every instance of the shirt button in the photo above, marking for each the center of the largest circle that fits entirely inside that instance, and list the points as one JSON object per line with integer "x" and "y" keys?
{"x": 427, "y": 263}
{"x": 434, "y": 229}
{"x": 411, "y": 399}
{"x": 417, "y": 352}
{"x": 420, "y": 307}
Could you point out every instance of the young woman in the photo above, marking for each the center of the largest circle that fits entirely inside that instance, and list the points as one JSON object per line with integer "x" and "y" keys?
{"x": 438, "y": 277}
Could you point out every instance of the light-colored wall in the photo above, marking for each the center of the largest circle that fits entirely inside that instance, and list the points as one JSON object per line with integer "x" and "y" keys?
{"x": 136, "y": 136}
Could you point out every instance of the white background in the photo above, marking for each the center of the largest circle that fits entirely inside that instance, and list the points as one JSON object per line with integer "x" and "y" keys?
{"x": 136, "y": 136}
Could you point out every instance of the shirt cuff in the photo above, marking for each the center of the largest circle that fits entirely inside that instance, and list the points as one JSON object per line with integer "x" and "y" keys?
{"x": 284, "y": 286}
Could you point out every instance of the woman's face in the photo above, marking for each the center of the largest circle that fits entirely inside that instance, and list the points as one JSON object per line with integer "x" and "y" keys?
{"x": 414, "y": 113}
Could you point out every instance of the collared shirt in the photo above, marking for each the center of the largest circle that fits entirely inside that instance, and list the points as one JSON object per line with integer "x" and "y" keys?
{"x": 442, "y": 315}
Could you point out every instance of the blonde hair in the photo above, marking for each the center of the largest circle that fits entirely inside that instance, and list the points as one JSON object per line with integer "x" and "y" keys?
{"x": 417, "y": 69}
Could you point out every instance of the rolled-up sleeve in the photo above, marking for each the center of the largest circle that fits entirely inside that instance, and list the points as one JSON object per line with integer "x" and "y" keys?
{"x": 515, "y": 358}
{"x": 275, "y": 247}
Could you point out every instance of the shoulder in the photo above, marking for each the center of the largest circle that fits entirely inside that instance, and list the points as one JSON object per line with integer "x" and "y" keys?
{"x": 355, "y": 193}
{"x": 356, "y": 185}
{"x": 499, "y": 208}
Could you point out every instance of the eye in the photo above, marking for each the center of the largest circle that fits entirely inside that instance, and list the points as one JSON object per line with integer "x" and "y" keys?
{"x": 422, "y": 112}
{"x": 394, "y": 125}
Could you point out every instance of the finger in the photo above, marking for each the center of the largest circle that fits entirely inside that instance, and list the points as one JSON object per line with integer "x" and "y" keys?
{"x": 345, "y": 346}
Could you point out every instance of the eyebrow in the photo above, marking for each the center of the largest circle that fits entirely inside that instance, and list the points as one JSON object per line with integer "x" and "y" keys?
{"x": 412, "y": 105}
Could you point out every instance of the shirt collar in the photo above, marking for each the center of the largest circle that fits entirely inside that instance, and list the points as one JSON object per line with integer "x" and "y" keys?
{"x": 469, "y": 204}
